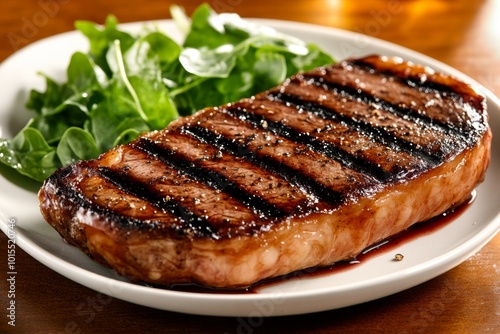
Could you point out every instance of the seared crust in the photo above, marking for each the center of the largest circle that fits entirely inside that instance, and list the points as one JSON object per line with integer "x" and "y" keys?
{"x": 306, "y": 174}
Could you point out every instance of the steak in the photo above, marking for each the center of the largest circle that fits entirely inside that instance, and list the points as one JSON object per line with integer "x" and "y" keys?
{"x": 305, "y": 174}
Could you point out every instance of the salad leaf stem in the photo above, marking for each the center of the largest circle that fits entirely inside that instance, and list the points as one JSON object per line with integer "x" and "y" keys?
{"x": 186, "y": 87}
{"x": 124, "y": 78}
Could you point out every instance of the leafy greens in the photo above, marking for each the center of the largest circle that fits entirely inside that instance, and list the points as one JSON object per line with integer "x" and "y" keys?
{"x": 126, "y": 85}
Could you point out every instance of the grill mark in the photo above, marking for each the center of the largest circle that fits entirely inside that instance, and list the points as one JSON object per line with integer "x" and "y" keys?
{"x": 400, "y": 110}
{"x": 377, "y": 134}
{"x": 414, "y": 81}
{"x": 72, "y": 190}
{"x": 325, "y": 148}
{"x": 291, "y": 175}
{"x": 282, "y": 152}
{"x": 469, "y": 117}
{"x": 208, "y": 177}
{"x": 122, "y": 220}
{"x": 457, "y": 112}
{"x": 420, "y": 77}
{"x": 445, "y": 137}
{"x": 260, "y": 183}
{"x": 189, "y": 219}
{"x": 215, "y": 206}
{"x": 394, "y": 162}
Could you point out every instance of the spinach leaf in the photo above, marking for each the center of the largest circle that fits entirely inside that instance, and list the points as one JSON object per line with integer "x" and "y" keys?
{"x": 270, "y": 68}
{"x": 114, "y": 116}
{"x": 214, "y": 63}
{"x": 140, "y": 76}
{"x": 29, "y": 154}
{"x": 100, "y": 39}
{"x": 162, "y": 47}
{"x": 76, "y": 144}
{"x": 238, "y": 58}
{"x": 207, "y": 31}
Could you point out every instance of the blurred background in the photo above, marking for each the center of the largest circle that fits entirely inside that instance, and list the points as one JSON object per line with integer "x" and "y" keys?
{"x": 463, "y": 33}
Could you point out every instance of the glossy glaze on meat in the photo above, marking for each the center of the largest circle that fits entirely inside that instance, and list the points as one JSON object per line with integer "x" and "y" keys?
{"x": 305, "y": 174}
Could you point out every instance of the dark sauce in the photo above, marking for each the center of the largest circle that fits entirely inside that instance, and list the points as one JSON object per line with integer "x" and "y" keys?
{"x": 415, "y": 231}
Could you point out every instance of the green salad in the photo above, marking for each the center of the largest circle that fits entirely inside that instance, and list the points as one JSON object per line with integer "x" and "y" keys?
{"x": 127, "y": 84}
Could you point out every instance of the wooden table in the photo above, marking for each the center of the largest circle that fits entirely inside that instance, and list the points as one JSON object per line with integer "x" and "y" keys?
{"x": 464, "y": 34}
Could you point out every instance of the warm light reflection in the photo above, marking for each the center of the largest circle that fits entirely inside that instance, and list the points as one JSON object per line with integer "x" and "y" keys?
{"x": 493, "y": 27}
{"x": 334, "y": 3}
{"x": 419, "y": 11}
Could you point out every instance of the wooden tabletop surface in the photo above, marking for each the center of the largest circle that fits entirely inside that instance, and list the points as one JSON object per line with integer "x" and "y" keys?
{"x": 464, "y": 34}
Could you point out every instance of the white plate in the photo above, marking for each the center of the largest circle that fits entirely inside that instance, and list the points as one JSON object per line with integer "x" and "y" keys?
{"x": 425, "y": 257}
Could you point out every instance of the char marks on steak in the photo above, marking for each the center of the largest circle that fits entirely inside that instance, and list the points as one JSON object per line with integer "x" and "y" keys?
{"x": 305, "y": 174}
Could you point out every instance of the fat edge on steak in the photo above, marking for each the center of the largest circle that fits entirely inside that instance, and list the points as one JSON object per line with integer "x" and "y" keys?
{"x": 306, "y": 174}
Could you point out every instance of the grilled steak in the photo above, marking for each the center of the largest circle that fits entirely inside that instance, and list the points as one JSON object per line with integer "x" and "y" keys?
{"x": 305, "y": 174}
